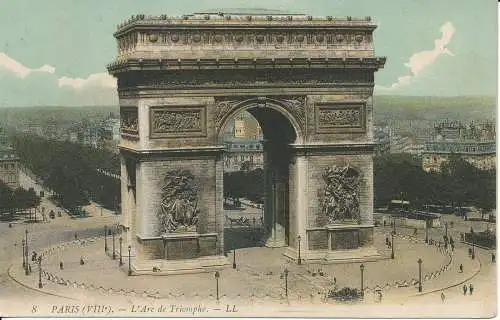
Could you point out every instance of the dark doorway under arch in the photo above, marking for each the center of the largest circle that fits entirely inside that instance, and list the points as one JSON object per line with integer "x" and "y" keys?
{"x": 278, "y": 133}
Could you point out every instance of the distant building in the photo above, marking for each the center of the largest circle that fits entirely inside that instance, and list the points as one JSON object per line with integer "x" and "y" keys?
{"x": 382, "y": 140}
{"x": 9, "y": 163}
{"x": 243, "y": 153}
{"x": 246, "y": 127}
{"x": 474, "y": 143}
{"x": 243, "y": 142}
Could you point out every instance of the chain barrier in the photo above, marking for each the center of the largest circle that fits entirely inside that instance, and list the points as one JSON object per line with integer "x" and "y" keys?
{"x": 252, "y": 297}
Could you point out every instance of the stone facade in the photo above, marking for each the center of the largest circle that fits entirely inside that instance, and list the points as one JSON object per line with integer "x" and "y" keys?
{"x": 309, "y": 83}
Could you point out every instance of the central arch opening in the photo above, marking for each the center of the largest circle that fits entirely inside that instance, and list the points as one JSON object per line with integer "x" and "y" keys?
{"x": 257, "y": 138}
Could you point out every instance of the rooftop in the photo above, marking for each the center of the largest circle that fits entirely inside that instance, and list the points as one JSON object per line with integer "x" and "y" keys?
{"x": 247, "y": 11}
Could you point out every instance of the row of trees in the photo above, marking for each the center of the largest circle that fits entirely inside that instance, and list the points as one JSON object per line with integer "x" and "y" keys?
{"x": 244, "y": 184}
{"x": 18, "y": 199}
{"x": 399, "y": 175}
{"x": 457, "y": 184}
{"x": 70, "y": 170}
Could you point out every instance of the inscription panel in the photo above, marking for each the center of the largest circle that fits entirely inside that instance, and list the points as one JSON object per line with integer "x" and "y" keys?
{"x": 344, "y": 117}
{"x": 178, "y": 121}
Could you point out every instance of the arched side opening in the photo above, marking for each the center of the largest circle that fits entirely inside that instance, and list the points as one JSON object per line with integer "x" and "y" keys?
{"x": 278, "y": 132}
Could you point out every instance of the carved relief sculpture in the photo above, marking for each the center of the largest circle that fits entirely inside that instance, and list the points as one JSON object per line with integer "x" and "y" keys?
{"x": 171, "y": 121}
{"x": 129, "y": 122}
{"x": 178, "y": 210}
{"x": 176, "y": 121}
{"x": 340, "y": 199}
{"x": 340, "y": 117}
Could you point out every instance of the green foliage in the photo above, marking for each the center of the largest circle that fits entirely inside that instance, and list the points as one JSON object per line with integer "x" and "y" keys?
{"x": 13, "y": 200}
{"x": 70, "y": 170}
{"x": 459, "y": 183}
{"x": 248, "y": 184}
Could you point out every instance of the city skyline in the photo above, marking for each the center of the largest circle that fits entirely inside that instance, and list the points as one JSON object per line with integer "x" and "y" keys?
{"x": 59, "y": 52}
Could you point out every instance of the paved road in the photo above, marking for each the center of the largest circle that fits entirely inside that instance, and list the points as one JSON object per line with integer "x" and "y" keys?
{"x": 63, "y": 229}
{"x": 40, "y": 235}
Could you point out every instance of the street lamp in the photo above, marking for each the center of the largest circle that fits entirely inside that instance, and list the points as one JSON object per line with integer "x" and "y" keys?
{"x": 105, "y": 238}
{"x": 121, "y": 260}
{"x": 299, "y": 260}
{"x": 286, "y": 281}
{"x": 392, "y": 246}
{"x": 129, "y": 263}
{"x": 362, "y": 268}
{"x": 114, "y": 253}
{"x": 26, "y": 253}
{"x": 217, "y": 275}
{"x": 402, "y": 207}
{"x": 24, "y": 256}
{"x": 40, "y": 285}
{"x": 446, "y": 230}
{"x": 234, "y": 258}
{"x": 419, "y": 275}
{"x": 426, "y": 231}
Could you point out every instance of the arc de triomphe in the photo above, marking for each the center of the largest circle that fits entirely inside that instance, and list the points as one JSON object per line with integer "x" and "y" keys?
{"x": 307, "y": 80}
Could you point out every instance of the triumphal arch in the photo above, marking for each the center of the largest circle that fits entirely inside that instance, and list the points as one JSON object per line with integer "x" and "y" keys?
{"x": 307, "y": 80}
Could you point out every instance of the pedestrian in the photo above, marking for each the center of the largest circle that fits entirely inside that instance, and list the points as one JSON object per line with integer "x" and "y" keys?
{"x": 386, "y": 240}
{"x": 471, "y": 288}
{"x": 452, "y": 247}
{"x": 76, "y": 236}
{"x": 61, "y": 265}
{"x": 379, "y": 296}
{"x": 465, "y": 289}
{"x": 443, "y": 297}
{"x": 81, "y": 261}
{"x": 461, "y": 268}
{"x": 385, "y": 223}
{"x": 493, "y": 257}
{"x": 335, "y": 281}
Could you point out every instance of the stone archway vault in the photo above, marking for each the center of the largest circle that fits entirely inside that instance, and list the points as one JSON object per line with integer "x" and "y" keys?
{"x": 180, "y": 79}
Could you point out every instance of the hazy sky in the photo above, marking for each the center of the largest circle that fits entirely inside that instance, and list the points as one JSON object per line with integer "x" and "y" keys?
{"x": 54, "y": 52}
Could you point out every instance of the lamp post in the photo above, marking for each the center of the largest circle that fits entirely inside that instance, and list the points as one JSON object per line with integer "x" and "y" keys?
{"x": 129, "y": 263}
{"x": 299, "y": 260}
{"x": 24, "y": 256}
{"x": 121, "y": 259}
{"x": 40, "y": 285}
{"x": 473, "y": 251}
{"x": 419, "y": 275}
{"x": 402, "y": 207}
{"x": 26, "y": 270}
{"x": 392, "y": 246}
{"x": 234, "y": 258}
{"x": 446, "y": 229}
{"x": 286, "y": 281}
{"x": 105, "y": 238}
{"x": 362, "y": 268}
{"x": 114, "y": 253}
{"x": 426, "y": 231}
{"x": 217, "y": 275}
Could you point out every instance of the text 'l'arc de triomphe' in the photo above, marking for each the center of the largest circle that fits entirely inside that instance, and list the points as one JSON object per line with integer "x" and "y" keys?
{"x": 309, "y": 83}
